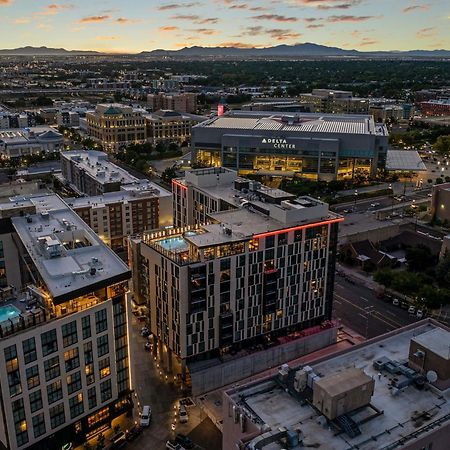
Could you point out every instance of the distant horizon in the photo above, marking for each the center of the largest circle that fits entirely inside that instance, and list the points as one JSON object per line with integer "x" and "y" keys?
{"x": 110, "y": 26}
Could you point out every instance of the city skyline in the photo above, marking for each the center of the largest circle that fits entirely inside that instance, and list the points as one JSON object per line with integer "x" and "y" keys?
{"x": 107, "y": 26}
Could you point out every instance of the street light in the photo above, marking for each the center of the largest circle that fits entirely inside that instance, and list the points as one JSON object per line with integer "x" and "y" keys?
{"x": 356, "y": 197}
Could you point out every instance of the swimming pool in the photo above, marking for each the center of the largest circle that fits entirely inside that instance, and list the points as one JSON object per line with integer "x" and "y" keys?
{"x": 174, "y": 244}
{"x": 8, "y": 312}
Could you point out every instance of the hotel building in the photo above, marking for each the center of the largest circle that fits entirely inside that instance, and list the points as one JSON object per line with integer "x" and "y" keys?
{"x": 316, "y": 146}
{"x": 254, "y": 264}
{"x": 115, "y": 126}
{"x": 90, "y": 172}
{"x": 63, "y": 336}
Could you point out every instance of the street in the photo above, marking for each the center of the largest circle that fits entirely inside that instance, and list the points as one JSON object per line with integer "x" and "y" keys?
{"x": 357, "y": 307}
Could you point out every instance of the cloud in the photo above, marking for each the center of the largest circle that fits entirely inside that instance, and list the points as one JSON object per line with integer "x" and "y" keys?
{"x": 206, "y": 31}
{"x": 425, "y": 33}
{"x": 94, "y": 19}
{"x": 412, "y": 8}
{"x": 344, "y": 18}
{"x": 195, "y": 18}
{"x": 313, "y": 26}
{"x": 367, "y": 41}
{"x": 210, "y": 20}
{"x": 53, "y": 9}
{"x": 168, "y": 28}
{"x": 6, "y": 2}
{"x": 171, "y": 6}
{"x": 22, "y": 20}
{"x": 236, "y": 44}
{"x": 125, "y": 21}
{"x": 282, "y": 35}
{"x": 275, "y": 18}
{"x": 106, "y": 38}
{"x": 328, "y": 4}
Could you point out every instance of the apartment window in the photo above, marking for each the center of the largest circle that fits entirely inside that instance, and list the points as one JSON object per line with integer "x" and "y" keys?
{"x": 101, "y": 322}
{"x": 12, "y": 367}
{"x": 71, "y": 359}
{"x": 102, "y": 345}
{"x": 92, "y": 398}
{"x": 54, "y": 392}
{"x": 73, "y": 382}
{"x": 52, "y": 369}
{"x": 38, "y": 425}
{"x": 32, "y": 374}
{"x": 90, "y": 376}
{"x": 86, "y": 326}
{"x": 35, "y": 401}
{"x": 104, "y": 368}
{"x": 88, "y": 354}
{"x": 105, "y": 391}
{"x": 57, "y": 416}
{"x": 76, "y": 405}
{"x": 29, "y": 350}
{"x": 20, "y": 424}
{"x": 49, "y": 342}
{"x": 69, "y": 332}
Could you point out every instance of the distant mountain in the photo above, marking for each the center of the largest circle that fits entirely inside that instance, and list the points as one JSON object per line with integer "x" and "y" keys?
{"x": 307, "y": 49}
{"x": 44, "y": 51}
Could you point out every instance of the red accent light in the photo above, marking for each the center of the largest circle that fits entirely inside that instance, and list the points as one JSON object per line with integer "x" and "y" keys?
{"x": 300, "y": 227}
{"x": 182, "y": 186}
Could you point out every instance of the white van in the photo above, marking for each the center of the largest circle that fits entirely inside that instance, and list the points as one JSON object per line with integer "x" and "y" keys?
{"x": 183, "y": 414}
{"x": 146, "y": 416}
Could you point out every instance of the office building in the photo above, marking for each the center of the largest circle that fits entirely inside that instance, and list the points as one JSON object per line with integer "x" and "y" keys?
{"x": 314, "y": 146}
{"x": 166, "y": 126}
{"x": 30, "y": 141}
{"x": 63, "y": 334}
{"x": 260, "y": 265}
{"x": 90, "y": 172}
{"x": 440, "y": 202}
{"x": 67, "y": 118}
{"x": 115, "y": 126}
{"x": 334, "y": 102}
{"x": 440, "y": 107}
{"x": 182, "y": 102}
{"x": 389, "y": 393}
{"x": 135, "y": 208}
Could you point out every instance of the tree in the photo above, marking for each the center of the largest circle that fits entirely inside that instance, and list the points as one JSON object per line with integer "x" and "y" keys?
{"x": 384, "y": 277}
{"x": 173, "y": 147}
{"x": 169, "y": 174}
{"x": 442, "y": 145}
{"x": 419, "y": 257}
{"x": 160, "y": 147}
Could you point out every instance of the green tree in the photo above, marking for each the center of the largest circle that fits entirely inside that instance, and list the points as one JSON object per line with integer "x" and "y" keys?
{"x": 384, "y": 277}
{"x": 442, "y": 145}
{"x": 160, "y": 147}
{"x": 419, "y": 257}
{"x": 169, "y": 174}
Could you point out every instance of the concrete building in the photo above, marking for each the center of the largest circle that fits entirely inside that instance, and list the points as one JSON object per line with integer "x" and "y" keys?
{"x": 334, "y": 102}
{"x": 259, "y": 266}
{"x": 115, "y": 126}
{"x": 63, "y": 335}
{"x": 91, "y": 172}
{"x": 440, "y": 107}
{"x": 182, "y": 102}
{"x": 440, "y": 202}
{"x": 315, "y": 146}
{"x": 167, "y": 126}
{"x": 375, "y": 395}
{"x": 30, "y": 141}
{"x": 136, "y": 208}
{"x": 67, "y": 118}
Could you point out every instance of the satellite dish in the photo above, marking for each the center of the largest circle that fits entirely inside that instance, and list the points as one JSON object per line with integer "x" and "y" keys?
{"x": 432, "y": 376}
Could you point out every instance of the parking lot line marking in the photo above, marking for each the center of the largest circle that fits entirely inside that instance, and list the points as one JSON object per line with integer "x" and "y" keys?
{"x": 364, "y": 299}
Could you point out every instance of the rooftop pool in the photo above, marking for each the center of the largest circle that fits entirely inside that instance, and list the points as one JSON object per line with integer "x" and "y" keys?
{"x": 174, "y": 244}
{"x": 8, "y": 312}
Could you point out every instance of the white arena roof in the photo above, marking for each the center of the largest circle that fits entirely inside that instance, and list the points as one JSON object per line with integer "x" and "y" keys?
{"x": 404, "y": 160}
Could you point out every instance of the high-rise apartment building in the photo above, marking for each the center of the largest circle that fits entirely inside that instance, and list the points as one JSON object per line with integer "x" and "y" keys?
{"x": 91, "y": 172}
{"x": 182, "y": 102}
{"x": 334, "y": 101}
{"x": 65, "y": 372}
{"x": 247, "y": 265}
{"x": 115, "y": 126}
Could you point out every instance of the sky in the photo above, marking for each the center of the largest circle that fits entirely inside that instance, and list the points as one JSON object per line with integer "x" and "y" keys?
{"x": 137, "y": 25}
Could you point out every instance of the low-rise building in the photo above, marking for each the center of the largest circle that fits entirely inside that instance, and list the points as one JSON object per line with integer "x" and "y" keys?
{"x": 91, "y": 172}
{"x": 391, "y": 392}
{"x": 135, "y": 208}
{"x": 65, "y": 373}
{"x": 440, "y": 202}
{"x": 30, "y": 141}
{"x": 115, "y": 126}
{"x": 439, "y": 107}
{"x": 182, "y": 102}
{"x": 67, "y": 118}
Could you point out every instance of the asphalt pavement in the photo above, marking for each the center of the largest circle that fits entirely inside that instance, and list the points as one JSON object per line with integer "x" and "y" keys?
{"x": 358, "y": 308}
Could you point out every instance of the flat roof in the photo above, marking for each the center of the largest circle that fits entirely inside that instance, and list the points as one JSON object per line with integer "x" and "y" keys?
{"x": 98, "y": 166}
{"x": 437, "y": 341}
{"x": 133, "y": 191}
{"x": 66, "y": 251}
{"x": 341, "y": 382}
{"x": 270, "y": 406}
{"x": 408, "y": 160}
{"x": 297, "y": 122}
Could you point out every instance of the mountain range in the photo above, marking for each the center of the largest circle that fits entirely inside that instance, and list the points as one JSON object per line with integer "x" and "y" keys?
{"x": 280, "y": 51}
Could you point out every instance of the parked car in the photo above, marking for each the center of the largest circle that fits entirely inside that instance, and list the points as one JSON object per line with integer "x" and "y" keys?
{"x": 185, "y": 441}
{"x": 396, "y": 302}
{"x": 119, "y": 440}
{"x": 172, "y": 445}
{"x": 411, "y": 310}
{"x": 374, "y": 205}
{"x": 183, "y": 415}
{"x": 404, "y": 305}
{"x": 419, "y": 314}
{"x": 146, "y": 416}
